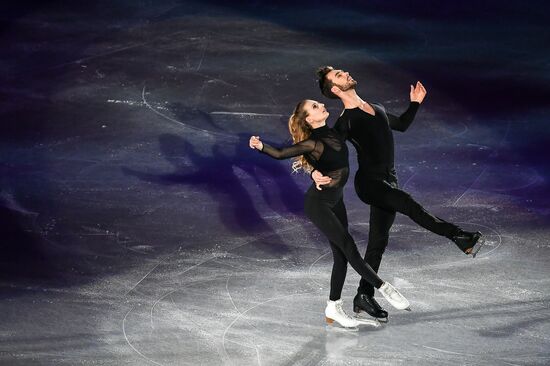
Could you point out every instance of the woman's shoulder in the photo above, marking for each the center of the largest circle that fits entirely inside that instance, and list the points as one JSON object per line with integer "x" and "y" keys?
{"x": 310, "y": 141}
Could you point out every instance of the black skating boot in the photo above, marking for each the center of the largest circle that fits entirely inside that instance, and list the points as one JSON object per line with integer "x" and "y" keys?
{"x": 368, "y": 304}
{"x": 469, "y": 242}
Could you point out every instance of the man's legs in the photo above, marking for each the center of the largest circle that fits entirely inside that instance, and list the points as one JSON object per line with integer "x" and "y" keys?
{"x": 386, "y": 195}
{"x": 380, "y": 223}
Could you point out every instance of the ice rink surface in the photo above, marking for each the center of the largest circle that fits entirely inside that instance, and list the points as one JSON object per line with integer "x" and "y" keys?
{"x": 138, "y": 228}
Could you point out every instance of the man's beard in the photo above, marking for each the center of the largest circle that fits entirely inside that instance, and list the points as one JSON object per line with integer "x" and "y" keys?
{"x": 348, "y": 86}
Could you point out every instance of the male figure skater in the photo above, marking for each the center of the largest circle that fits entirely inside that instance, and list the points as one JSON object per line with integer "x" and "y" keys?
{"x": 369, "y": 128}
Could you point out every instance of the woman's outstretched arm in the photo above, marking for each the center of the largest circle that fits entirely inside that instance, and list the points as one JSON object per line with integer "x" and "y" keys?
{"x": 300, "y": 148}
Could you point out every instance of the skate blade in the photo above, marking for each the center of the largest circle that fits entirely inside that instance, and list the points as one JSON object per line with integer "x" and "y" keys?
{"x": 331, "y": 324}
{"x": 480, "y": 242}
{"x": 404, "y": 307}
{"x": 371, "y": 322}
{"x": 335, "y": 328}
{"x": 362, "y": 315}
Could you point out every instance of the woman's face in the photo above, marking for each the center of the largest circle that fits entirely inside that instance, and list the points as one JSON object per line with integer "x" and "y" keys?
{"x": 316, "y": 112}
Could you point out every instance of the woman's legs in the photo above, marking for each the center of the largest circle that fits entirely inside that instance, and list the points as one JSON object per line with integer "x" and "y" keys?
{"x": 324, "y": 218}
{"x": 339, "y": 270}
{"x": 340, "y": 263}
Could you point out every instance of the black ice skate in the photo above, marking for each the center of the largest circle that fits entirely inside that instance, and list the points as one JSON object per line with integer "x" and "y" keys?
{"x": 368, "y": 304}
{"x": 470, "y": 243}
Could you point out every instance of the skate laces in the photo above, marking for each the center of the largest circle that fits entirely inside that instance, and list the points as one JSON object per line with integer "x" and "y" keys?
{"x": 390, "y": 291}
{"x": 341, "y": 311}
{"x": 375, "y": 303}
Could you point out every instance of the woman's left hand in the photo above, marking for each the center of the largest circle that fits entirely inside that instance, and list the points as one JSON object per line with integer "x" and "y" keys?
{"x": 255, "y": 143}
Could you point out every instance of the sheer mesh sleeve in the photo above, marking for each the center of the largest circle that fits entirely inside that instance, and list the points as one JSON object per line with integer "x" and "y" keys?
{"x": 301, "y": 148}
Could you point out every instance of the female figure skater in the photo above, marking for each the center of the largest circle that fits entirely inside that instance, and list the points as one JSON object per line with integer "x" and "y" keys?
{"x": 316, "y": 146}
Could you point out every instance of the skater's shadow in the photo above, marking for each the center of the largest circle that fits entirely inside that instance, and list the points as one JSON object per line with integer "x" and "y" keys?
{"x": 279, "y": 189}
{"x": 193, "y": 116}
{"x": 272, "y": 177}
{"x": 216, "y": 174}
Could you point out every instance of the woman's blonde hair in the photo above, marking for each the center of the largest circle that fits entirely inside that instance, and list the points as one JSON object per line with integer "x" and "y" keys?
{"x": 300, "y": 130}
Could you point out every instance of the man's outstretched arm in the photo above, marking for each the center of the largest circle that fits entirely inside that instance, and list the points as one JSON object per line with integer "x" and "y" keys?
{"x": 402, "y": 123}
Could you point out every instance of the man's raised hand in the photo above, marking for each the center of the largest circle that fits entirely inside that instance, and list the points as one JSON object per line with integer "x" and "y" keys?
{"x": 418, "y": 92}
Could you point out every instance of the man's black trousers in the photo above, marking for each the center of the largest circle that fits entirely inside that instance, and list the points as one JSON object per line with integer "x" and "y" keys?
{"x": 378, "y": 187}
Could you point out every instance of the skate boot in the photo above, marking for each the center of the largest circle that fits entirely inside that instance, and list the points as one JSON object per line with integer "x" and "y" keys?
{"x": 470, "y": 243}
{"x": 335, "y": 312}
{"x": 393, "y": 296}
{"x": 364, "y": 303}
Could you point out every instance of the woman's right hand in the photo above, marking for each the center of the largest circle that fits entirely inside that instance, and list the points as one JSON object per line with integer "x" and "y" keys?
{"x": 255, "y": 143}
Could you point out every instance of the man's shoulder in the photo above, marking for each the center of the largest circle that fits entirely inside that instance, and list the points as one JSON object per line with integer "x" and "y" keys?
{"x": 378, "y": 104}
{"x": 342, "y": 118}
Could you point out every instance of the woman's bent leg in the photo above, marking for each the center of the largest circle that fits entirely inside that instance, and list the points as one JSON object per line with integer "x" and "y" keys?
{"x": 322, "y": 215}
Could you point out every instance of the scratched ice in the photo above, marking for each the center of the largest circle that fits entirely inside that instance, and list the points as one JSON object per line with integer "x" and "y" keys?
{"x": 139, "y": 228}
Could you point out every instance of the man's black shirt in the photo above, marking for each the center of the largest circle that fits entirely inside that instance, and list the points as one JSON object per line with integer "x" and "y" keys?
{"x": 372, "y": 135}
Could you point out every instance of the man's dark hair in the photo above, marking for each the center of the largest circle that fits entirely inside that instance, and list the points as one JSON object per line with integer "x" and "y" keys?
{"x": 324, "y": 83}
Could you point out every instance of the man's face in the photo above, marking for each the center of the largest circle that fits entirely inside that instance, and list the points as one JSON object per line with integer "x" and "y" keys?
{"x": 341, "y": 79}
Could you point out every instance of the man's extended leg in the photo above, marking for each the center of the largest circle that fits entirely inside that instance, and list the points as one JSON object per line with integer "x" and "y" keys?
{"x": 386, "y": 195}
